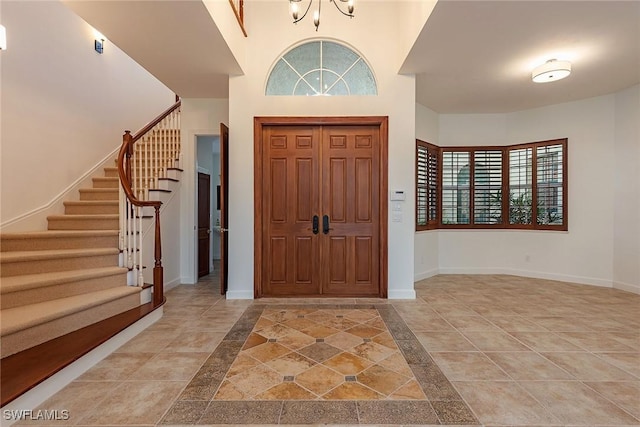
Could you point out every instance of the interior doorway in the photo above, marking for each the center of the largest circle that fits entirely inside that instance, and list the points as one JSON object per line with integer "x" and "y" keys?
{"x": 320, "y": 206}
{"x": 212, "y": 156}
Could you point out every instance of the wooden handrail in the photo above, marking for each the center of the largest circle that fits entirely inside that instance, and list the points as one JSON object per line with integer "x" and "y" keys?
{"x": 155, "y": 121}
{"x": 124, "y": 172}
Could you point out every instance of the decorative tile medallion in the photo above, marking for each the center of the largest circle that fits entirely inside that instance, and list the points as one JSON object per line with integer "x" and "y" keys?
{"x": 311, "y": 356}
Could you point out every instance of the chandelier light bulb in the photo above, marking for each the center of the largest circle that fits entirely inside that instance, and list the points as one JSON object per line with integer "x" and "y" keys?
{"x": 316, "y": 18}
{"x": 350, "y": 6}
{"x": 294, "y": 10}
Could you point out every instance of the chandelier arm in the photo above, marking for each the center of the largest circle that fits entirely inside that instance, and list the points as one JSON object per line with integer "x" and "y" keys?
{"x": 305, "y": 12}
{"x": 335, "y": 3}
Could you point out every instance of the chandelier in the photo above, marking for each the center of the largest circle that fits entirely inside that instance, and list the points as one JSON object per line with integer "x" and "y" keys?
{"x": 295, "y": 10}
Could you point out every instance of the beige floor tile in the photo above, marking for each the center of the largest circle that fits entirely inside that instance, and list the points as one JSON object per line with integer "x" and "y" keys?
{"x": 494, "y": 341}
{"x": 149, "y": 342}
{"x": 434, "y": 341}
{"x": 195, "y": 341}
{"x": 595, "y": 341}
{"x": 136, "y": 402}
{"x": 464, "y": 366}
{"x": 574, "y": 403}
{"x": 470, "y": 323}
{"x": 624, "y": 394}
{"x": 528, "y": 365}
{"x": 78, "y": 398}
{"x": 503, "y": 403}
{"x": 545, "y": 341}
{"x": 171, "y": 366}
{"x": 588, "y": 367}
{"x": 515, "y": 324}
{"x": 117, "y": 366}
{"x": 629, "y": 362}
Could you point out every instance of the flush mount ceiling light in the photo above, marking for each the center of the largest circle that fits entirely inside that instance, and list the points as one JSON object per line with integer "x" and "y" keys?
{"x": 295, "y": 9}
{"x": 551, "y": 71}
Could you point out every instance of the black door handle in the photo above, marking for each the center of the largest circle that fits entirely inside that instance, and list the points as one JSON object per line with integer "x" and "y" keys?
{"x": 315, "y": 224}
{"x": 325, "y": 224}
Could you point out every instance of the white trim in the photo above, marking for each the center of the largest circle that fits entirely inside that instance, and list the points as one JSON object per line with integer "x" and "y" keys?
{"x": 61, "y": 197}
{"x": 34, "y": 397}
{"x": 240, "y": 294}
{"x": 425, "y": 274}
{"x": 533, "y": 274}
{"x": 402, "y": 294}
{"x": 172, "y": 284}
{"x": 627, "y": 287}
{"x": 204, "y": 171}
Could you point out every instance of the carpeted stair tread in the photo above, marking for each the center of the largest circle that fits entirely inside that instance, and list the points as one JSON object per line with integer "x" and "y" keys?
{"x": 58, "y": 239}
{"x": 31, "y": 281}
{"x": 71, "y": 217}
{"x": 56, "y": 234}
{"x": 24, "y": 256}
{"x": 91, "y": 203}
{"x": 27, "y": 316}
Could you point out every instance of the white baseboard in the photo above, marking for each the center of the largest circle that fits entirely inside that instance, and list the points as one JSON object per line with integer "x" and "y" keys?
{"x": 402, "y": 294}
{"x": 34, "y": 397}
{"x": 240, "y": 294}
{"x": 627, "y": 287}
{"x": 172, "y": 284}
{"x": 533, "y": 274}
{"x": 425, "y": 274}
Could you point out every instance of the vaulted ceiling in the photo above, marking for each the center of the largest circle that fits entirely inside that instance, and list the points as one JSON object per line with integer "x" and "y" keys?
{"x": 470, "y": 57}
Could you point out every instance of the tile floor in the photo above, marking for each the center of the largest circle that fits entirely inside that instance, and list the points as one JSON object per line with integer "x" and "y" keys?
{"x": 491, "y": 350}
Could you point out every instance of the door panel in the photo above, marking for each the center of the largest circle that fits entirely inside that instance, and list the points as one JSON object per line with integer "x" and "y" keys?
{"x": 204, "y": 218}
{"x": 292, "y": 171}
{"x": 351, "y": 159}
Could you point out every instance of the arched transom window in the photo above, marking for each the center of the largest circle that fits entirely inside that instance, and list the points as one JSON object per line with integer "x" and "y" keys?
{"x": 321, "y": 68}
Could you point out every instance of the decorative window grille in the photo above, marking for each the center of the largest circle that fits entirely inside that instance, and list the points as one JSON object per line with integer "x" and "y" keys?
{"x": 321, "y": 67}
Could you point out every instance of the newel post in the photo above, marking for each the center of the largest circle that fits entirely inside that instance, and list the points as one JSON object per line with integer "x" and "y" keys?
{"x": 158, "y": 279}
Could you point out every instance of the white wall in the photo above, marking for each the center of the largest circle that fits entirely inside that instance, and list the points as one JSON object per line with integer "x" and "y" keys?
{"x": 626, "y": 228}
{"x": 64, "y": 107}
{"x": 396, "y": 97}
{"x": 603, "y": 163}
{"x": 199, "y": 117}
{"x": 426, "y": 245}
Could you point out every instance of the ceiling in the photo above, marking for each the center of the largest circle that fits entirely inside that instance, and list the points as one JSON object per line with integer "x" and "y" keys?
{"x": 471, "y": 56}
{"x": 477, "y": 56}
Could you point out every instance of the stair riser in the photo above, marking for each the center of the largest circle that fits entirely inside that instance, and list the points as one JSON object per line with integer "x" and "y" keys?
{"x": 91, "y": 209}
{"x": 42, "y": 244}
{"x": 57, "y": 264}
{"x": 84, "y": 224}
{"x": 62, "y": 290}
{"x": 102, "y": 183}
{"x": 35, "y": 335}
{"x": 103, "y": 195}
{"x": 111, "y": 172}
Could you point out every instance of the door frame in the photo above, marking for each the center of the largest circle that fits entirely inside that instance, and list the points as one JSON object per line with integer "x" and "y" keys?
{"x": 259, "y": 123}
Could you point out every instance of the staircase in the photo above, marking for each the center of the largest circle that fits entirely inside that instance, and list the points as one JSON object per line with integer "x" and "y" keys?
{"x": 56, "y": 281}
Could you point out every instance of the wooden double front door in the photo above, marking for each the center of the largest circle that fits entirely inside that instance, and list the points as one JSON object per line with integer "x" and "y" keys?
{"x": 322, "y": 203}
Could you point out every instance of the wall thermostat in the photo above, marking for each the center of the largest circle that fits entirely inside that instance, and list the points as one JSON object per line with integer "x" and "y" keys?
{"x": 397, "y": 195}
